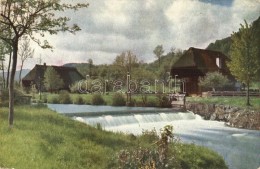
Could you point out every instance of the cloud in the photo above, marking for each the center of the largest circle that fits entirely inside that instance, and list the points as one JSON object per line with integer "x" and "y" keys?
{"x": 112, "y": 26}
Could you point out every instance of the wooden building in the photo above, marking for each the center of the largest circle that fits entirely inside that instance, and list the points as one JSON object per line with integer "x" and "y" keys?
{"x": 195, "y": 63}
{"x": 69, "y": 75}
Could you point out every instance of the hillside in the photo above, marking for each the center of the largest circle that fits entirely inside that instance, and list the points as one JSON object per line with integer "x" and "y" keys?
{"x": 224, "y": 45}
{"x": 24, "y": 72}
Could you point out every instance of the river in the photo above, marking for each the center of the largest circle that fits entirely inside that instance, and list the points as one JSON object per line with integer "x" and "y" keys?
{"x": 240, "y": 148}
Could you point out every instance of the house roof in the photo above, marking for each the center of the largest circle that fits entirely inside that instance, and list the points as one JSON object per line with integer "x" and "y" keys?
{"x": 198, "y": 62}
{"x": 69, "y": 75}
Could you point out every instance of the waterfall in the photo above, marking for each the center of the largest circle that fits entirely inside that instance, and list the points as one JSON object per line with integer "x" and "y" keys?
{"x": 130, "y": 118}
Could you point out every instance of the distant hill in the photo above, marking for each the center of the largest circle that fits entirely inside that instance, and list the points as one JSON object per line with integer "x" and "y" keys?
{"x": 224, "y": 45}
{"x": 24, "y": 72}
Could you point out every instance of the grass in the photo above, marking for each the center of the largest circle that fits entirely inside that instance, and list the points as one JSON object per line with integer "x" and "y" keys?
{"x": 43, "y": 139}
{"x": 232, "y": 101}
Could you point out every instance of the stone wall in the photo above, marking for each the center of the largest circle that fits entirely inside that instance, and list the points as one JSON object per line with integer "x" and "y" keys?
{"x": 233, "y": 116}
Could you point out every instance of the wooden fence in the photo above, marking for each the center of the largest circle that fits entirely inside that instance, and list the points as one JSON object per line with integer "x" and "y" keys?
{"x": 230, "y": 93}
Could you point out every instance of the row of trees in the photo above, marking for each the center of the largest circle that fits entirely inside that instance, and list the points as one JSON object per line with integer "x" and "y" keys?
{"x": 128, "y": 62}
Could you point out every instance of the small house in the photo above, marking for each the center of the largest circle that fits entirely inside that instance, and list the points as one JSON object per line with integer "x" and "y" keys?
{"x": 195, "y": 63}
{"x": 69, "y": 75}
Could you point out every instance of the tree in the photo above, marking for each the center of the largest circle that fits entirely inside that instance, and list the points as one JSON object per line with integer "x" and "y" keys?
{"x": 4, "y": 49}
{"x": 244, "y": 62}
{"x": 31, "y": 18}
{"x": 125, "y": 62}
{"x": 158, "y": 51}
{"x": 25, "y": 52}
{"x": 52, "y": 80}
{"x": 214, "y": 80}
{"x": 90, "y": 63}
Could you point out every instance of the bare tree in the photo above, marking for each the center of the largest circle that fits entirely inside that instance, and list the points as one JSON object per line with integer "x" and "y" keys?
{"x": 25, "y": 52}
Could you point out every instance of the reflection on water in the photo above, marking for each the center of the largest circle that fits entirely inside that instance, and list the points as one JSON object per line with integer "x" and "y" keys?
{"x": 240, "y": 148}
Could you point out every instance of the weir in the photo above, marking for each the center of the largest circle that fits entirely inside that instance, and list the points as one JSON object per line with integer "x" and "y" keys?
{"x": 131, "y": 118}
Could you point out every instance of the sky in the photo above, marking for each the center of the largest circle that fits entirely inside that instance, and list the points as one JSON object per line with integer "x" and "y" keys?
{"x": 110, "y": 27}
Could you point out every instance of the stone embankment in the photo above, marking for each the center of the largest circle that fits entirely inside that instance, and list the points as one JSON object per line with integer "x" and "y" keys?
{"x": 233, "y": 116}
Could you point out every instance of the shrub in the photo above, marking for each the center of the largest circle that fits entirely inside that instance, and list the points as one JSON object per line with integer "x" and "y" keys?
{"x": 79, "y": 100}
{"x": 97, "y": 99}
{"x": 64, "y": 97}
{"x": 118, "y": 99}
{"x": 152, "y": 103}
{"x": 157, "y": 156}
{"x": 53, "y": 100}
{"x": 164, "y": 101}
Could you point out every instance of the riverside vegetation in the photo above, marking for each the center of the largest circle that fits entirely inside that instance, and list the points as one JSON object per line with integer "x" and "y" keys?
{"x": 43, "y": 139}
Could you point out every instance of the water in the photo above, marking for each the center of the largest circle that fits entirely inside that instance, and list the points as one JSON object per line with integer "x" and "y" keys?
{"x": 239, "y": 147}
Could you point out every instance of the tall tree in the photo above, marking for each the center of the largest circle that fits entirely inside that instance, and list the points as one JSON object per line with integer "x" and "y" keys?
{"x": 127, "y": 59}
{"x": 31, "y": 18}
{"x": 25, "y": 52}
{"x": 158, "y": 51}
{"x": 52, "y": 80}
{"x": 244, "y": 62}
{"x": 90, "y": 64}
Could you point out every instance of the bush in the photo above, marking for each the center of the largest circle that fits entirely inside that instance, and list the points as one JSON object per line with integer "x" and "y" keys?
{"x": 79, "y": 100}
{"x": 164, "y": 101}
{"x": 118, "y": 100}
{"x": 64, "y": 97}
{"x": 156, "y": 156}
{"x": 53, "y": 100}
{"x": 152, "y": 103}
{"x": 97, "y": 99}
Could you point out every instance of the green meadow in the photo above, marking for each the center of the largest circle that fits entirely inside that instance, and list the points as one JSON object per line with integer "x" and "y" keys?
{"x": 43, "y": 139}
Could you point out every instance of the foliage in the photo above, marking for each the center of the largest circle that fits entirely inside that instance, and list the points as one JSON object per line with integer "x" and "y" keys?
{"x": 163, "y": 100}
{"x": 31, "y": 18}
{"x": 154, "y": 157}
{"x": 64, "y": 97}
{"x": 222, "y": 45}
{"x": 158, "y": 51}
{"x": 74, "y": 88}
{"x": 118, "y": 99}
{"x": 53, "y": 99}
{"x": 52, "y": 80}
{"x": 244, "y": 63}
{"x": 97, "y": 99}
{"x": 79, "y": 100}
{"x": 213, "y": 80}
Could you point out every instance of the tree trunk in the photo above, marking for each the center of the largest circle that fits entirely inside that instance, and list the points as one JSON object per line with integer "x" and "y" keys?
{"x": 247, "y": 95}
{"x": 3, "y": 71}
{"x": 11, "y": 85}
{"x": 8, "y": 69}
{"x": 20, "y": 74}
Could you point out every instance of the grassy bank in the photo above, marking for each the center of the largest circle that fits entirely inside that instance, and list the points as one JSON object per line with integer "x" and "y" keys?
{"x": 43, "y": 139}
{"x": 232, "y": 101}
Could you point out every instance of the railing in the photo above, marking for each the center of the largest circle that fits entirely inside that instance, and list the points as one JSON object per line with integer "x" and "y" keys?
{"x": 231, "y": 93}
{"x": 178, "y": 100}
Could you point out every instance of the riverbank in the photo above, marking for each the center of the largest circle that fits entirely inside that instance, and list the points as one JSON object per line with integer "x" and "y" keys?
{"x": 232, "y": 116}
{"x": 43, "y": 139}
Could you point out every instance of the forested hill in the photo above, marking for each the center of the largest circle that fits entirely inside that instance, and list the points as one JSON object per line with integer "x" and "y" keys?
{"x": 223, "y": 45}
